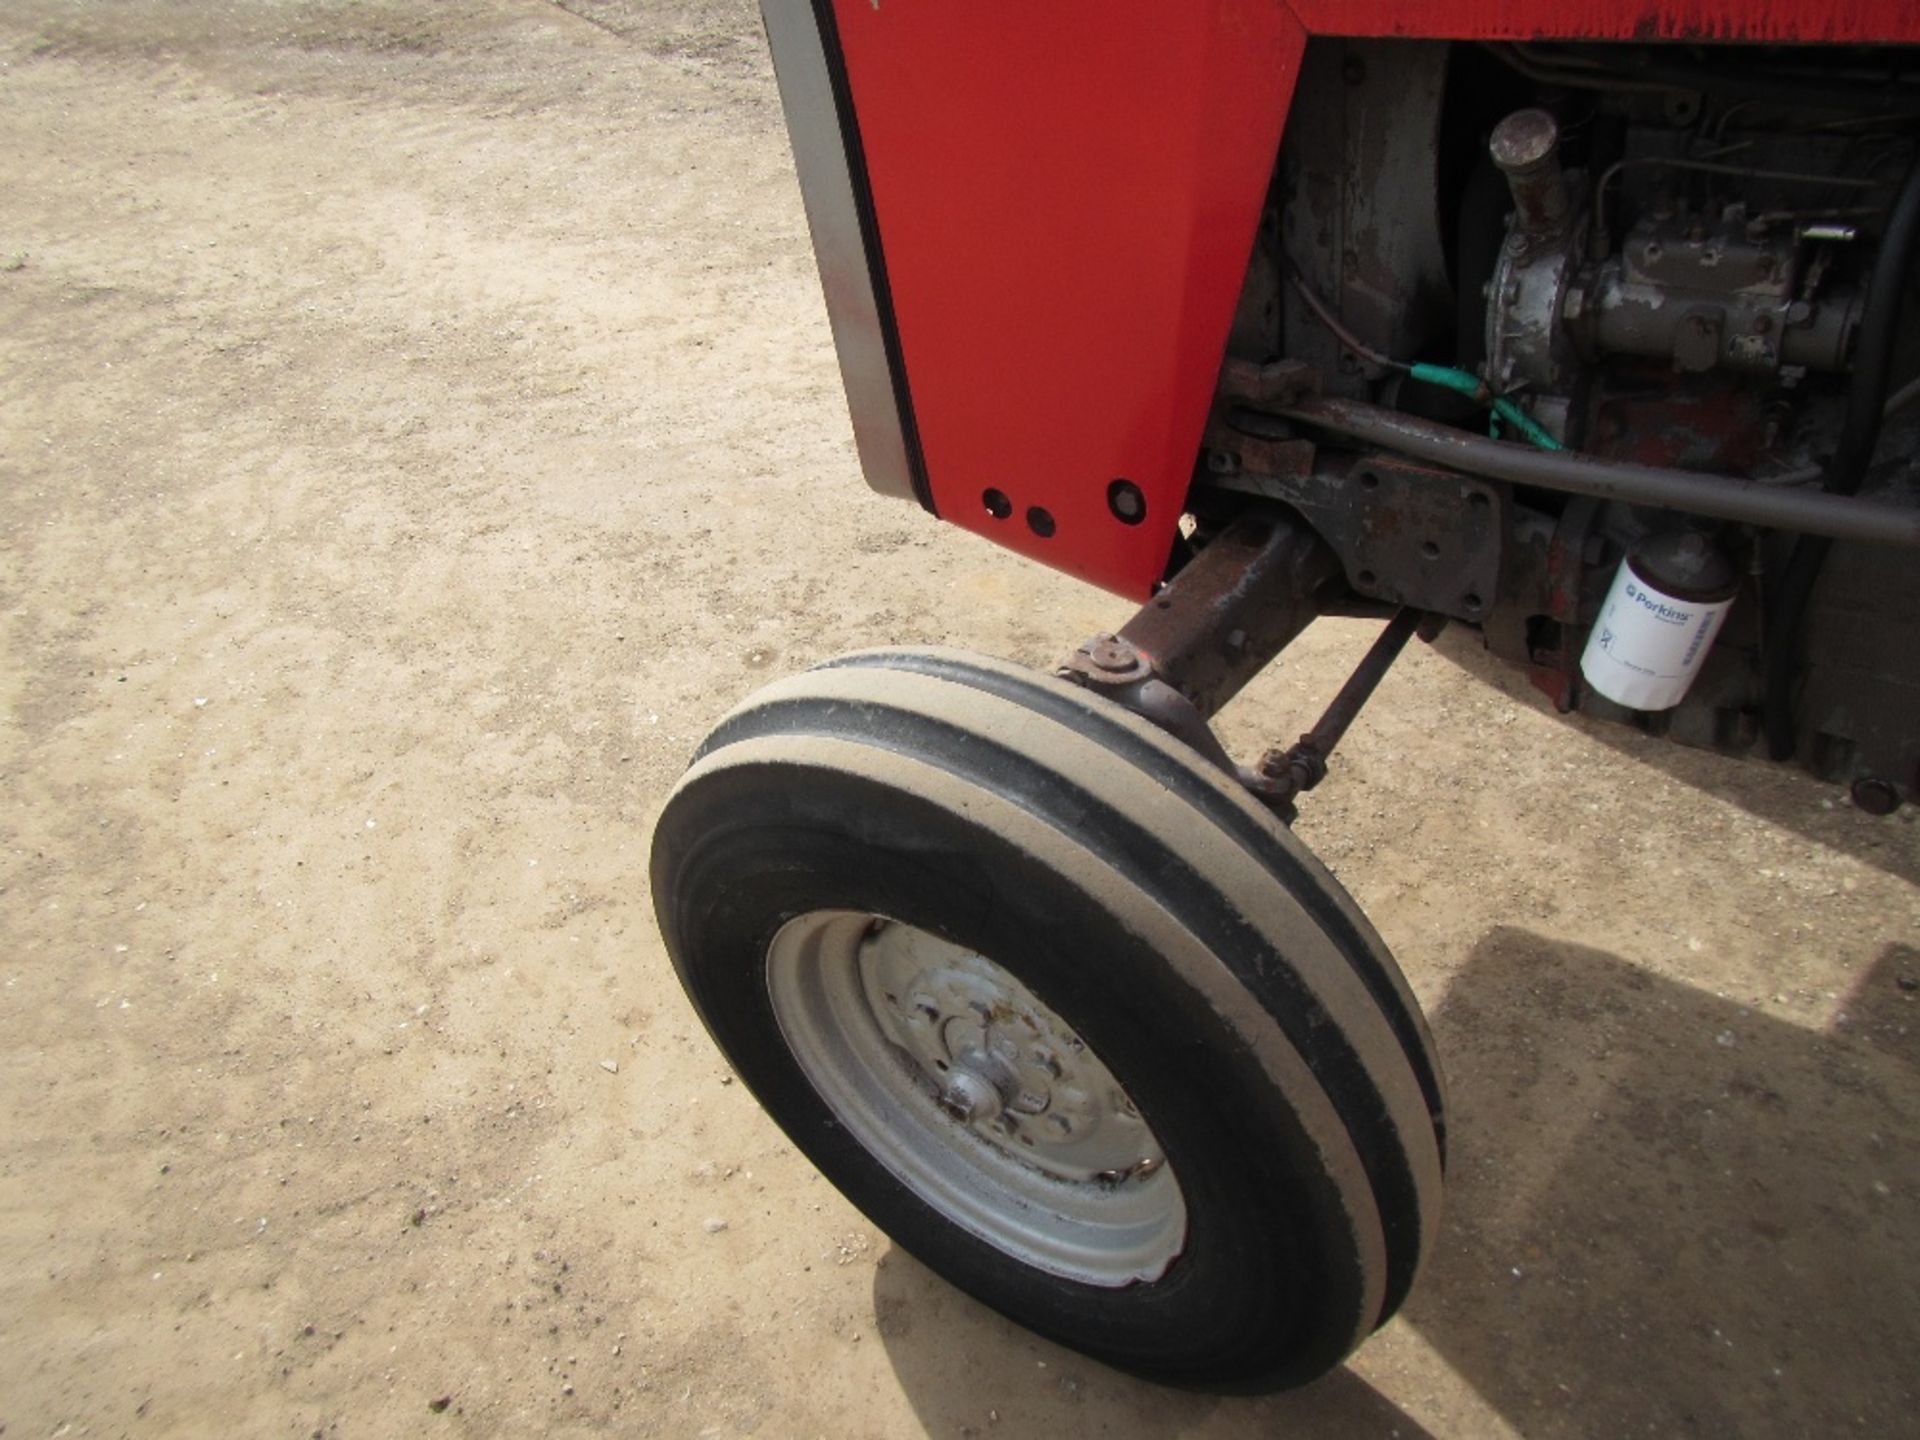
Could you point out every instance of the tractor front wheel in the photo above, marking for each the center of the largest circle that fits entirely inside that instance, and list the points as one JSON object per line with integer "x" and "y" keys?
{"x": 1068, "y": 1015}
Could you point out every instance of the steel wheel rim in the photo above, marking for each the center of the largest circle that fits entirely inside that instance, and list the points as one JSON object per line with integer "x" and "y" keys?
{"x": 976, "y": 1096}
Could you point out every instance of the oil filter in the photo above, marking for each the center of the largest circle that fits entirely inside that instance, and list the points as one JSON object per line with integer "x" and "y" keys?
{"x": 1669, "y": 597}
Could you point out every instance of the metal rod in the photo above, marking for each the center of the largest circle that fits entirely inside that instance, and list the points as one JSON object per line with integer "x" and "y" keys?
{"x": 1344, "y": 708}
{"x": 1842, "y": 517}
{"x": 1283, "y": 774}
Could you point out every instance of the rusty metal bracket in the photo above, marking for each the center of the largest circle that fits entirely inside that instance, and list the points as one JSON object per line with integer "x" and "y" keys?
{"x": 1220, "y": 621}
{"x": 1406, "y": 534}
{"x": 1114, "y": 668}
{"x": 1247, "y": 595}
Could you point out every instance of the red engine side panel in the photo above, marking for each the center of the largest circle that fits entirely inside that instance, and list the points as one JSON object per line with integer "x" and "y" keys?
{"x": 1066, "y": 195}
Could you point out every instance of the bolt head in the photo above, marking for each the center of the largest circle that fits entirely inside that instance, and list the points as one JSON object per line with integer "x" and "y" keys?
{"x": 970, "y": 1098}
{"x": 1112, "y": 654}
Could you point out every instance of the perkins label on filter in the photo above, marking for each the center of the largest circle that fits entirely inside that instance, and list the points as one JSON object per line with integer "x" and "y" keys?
{"x": 1647, "y": 646}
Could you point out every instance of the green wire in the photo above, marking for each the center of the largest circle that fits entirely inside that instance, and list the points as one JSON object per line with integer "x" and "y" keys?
{"x": 1475, "y": 389}
{"x": 1445, "y": 376}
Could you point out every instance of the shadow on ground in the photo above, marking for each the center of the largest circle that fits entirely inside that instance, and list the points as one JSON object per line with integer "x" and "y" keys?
{"x": 1671, "y": 1215}
{"x": 1668, "y": 1215}
{"x": 971, "y": 1375}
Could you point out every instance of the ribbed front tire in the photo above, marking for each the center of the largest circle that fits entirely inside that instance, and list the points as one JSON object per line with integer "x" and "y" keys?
{"x": 1059, "y": 1007}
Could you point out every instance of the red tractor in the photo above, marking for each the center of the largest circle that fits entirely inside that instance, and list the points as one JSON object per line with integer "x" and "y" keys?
{"x": 1586, "y": 327}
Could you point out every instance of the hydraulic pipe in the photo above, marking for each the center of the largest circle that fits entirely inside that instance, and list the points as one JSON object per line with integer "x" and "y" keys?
{"x": 1840, "y": 517}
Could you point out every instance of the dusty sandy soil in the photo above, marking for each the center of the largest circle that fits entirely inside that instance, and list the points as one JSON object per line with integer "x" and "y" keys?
{"x": 417, "y": 424}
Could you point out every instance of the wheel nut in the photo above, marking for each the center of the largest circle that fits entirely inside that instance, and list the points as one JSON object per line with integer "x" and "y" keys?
{"x": 1029, "y": 1099}
{"x": 969, "y": 1097}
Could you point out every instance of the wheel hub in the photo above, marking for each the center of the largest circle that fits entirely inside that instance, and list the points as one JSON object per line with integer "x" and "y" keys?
{"x": 979, "y": 1096}
{"x": 970, "y": 1096}
{"x": 1001, "y": 1062}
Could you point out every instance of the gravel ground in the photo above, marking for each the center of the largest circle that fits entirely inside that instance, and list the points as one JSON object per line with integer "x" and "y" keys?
{"x": 417, "y": 425}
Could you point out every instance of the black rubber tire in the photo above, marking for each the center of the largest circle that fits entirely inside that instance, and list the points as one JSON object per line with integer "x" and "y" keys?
{"x": 1216, "y": 968}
